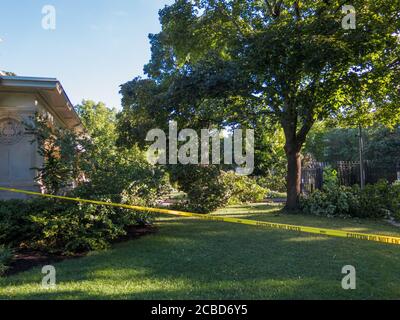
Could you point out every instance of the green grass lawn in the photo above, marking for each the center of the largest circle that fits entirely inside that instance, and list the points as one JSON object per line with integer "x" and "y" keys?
{"x": 192, "y": 259}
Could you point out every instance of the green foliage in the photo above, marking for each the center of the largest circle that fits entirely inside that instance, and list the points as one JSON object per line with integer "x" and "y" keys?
{"x": 125, "y": 176}
{"x": 101, "y": 170}
{"x": 273, "y": 180}
{"x": 380, "y": 199}
{"x": 100, "y": 125}
{"x": 80, "y": 228}
{"x": 64, "y": 227}
{"x": 382, "y": 144}
{"x": 121, "y": 174}
{"x": 65, "y": 154}
{"x": 341, "y": 144}
{"x": 333, "y": 199}
{"x": 340, "y": 201}
{"x": 226, "y": 62}
{"x": 6, "y": 256}
{"x": 99, "y": 122}
{"x": 326, "y": 144}
{"x": 374, "y": 201}
{"x": 276, "y": 195}
{"x": 186, "y": 251}
{"x": 203, "y": 185}
{"x": 270, "y": 158}
{"x": 330, "y": 177}
{"x": 243, "y": 189}
{"x": 15, "y": 223}
{"x": 209, "y": 188}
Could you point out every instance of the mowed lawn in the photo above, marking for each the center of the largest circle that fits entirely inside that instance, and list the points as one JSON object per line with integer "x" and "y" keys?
{"x": 193, "y": 259}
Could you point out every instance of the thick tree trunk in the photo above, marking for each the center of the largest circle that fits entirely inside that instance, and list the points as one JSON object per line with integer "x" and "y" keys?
{"x": 293, "y": 179}
{"x": 295, "y": 138}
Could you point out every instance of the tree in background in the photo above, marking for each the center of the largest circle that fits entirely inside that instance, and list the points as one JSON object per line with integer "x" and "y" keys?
{"x": 327, "y": 144}
{"x": 64, "y": 161}
{"x": 100, "y": 125}
{"x": 269, "y": 157}
{"x": 94, "y": 163}
{"x": 99, "y": 122}
{"x": 112, "y": 174}
{"x": 121, "y": 173}
{"x": 220, "y": 62}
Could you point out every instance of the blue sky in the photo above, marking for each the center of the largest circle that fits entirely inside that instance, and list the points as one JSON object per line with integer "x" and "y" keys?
{"x": 96, "y": 46}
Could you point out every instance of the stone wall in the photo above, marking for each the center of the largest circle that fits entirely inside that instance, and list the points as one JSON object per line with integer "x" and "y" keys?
{"x": 18, "y": 155}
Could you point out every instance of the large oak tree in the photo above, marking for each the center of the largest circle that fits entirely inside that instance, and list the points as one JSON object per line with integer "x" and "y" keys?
{"x": 243, "y": 62}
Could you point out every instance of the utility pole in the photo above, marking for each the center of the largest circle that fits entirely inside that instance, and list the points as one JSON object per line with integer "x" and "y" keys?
{"x": 361, "y": 150}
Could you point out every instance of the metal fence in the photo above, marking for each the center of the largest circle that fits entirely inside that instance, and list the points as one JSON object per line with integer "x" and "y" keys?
{"x": 349, "y": 173}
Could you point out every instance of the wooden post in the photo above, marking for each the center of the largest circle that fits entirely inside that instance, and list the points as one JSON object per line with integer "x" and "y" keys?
{"x": 361, "y": 150}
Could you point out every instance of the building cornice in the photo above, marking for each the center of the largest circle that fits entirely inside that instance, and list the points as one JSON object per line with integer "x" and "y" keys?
{"x": 50, "y": 90}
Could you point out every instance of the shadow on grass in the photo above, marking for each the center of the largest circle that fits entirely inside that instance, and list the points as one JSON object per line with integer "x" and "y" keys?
{"x": 196, "y": 259}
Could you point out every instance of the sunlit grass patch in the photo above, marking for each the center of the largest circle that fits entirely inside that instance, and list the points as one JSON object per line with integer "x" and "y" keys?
{"x": 196, "y": 259}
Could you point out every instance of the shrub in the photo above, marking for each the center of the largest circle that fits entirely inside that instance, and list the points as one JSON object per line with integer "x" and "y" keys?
{"x": 15, "y": 223}
{"x": 332, "y": 200}
{"x": 275, "y": 181}
{"x": 209, "y": 188}
{"x": 395, "y": 200}
{"x": 380, "y": 200}
{"x": 339, "y": 201}
{"x": 58, "y": 226}
{"x": 6, "y": 255}
{"x": 65, "y": 153}
{"x": 77, "y": 228}
{"x": 243, "y": 189}
{"x": 374, "y": 201}
{"x": 126, "y": 177}
{"x": 204, "y": 186}
{"x": 276, "y": 195}
{"x": 102, "y": 171}
{"x": 330, "y": 177}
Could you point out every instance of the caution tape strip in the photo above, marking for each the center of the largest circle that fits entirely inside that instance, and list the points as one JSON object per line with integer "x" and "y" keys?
{"x": 313, "y": 230}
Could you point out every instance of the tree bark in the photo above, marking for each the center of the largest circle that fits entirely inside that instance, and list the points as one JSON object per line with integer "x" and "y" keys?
{"x": 295, "y": 139}
{"x": 293, "y": 179}
{"x": 294, "y": 142}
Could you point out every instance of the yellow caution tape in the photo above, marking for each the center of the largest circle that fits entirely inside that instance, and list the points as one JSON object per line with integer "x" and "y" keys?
{"x": 320, "y": 231}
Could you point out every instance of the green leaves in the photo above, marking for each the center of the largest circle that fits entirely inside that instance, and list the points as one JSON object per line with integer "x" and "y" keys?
{"x": 6, "y": 256}
{"x": 291, "y": 57}
{"x": 240, "y": 62}
{"x": 62, "y": 152}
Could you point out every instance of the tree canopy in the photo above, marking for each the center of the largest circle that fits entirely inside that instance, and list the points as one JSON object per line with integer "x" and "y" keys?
{"x": 249, "y": 62}
{"x": 342, "y": 144}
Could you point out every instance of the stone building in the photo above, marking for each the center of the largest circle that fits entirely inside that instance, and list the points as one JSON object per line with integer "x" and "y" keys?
{"x": 20, "y": 99}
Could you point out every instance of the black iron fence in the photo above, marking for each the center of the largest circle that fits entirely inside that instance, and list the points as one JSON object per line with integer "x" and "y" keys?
{"x": 349, "y": 173}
